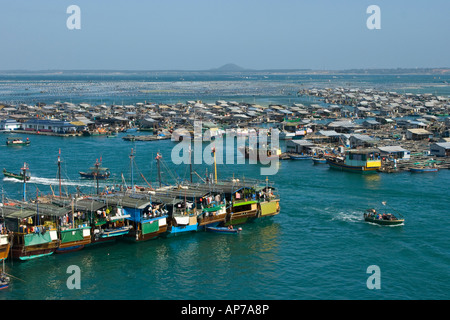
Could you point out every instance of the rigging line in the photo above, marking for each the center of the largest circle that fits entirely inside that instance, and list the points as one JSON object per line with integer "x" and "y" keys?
{"x": 168, "y": 170}
{"x": 146, "y": 180}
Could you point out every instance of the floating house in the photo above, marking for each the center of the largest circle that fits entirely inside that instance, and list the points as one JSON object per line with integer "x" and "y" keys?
{"x": 395, "y": 152}
{"x": 362, "y": 140}
{"x": 299, "y": 146}
{"x": 418, "y": 134}
{"x": 440, "y": 149}
{"x": 56, "y": 126}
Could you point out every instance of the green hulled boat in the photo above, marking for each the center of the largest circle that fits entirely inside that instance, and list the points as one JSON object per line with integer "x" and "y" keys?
{"x": 17, "y": 142}
{"x": 386, "y": 219}
{"x": 15, "y": 175}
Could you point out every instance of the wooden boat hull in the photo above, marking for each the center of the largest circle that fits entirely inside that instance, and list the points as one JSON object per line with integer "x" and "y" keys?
{"x": 139, "y": 236}
{"x": 4, "y": 281}
{"x": 34, "y": 245}
{"x": 71, "y": 248}
{"x": 319, "y": 161}
{"x": 73, "y": 239}
{"x": 423, "y": 170}
{"x": 268, "y": 208}
{"x": 241, "y": 212}
{"x": 299, "y": 157}
{"x": 148, "y": 230}
{"x": 21, "y": 144}
{"x": 240, "y": 218}
{"x": 5, "y": 245}
{"x": 384, "y": 222}
{"x": 92, "y": 176}
{"x": 108, "y": 235}
{"x": 176, "y": 230}
{"x": 27, "y": 253}
{"x": 343, "y": 167}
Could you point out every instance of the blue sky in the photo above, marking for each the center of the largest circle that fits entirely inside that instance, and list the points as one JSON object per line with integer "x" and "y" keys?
{"x": 200, "y": 34}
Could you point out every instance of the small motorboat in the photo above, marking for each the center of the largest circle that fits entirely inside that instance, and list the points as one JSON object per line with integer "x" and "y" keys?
{"x": 17, "y": 142}
{"x": 15, "y": 175}
{"x": 226, "y": 230}
{"x": 4, "y": 281}
{"x": 423, "y": 169}
{"x": 385, "y": 219}
{"x": 294, "y": 156}
{"x": 319, "y": 160}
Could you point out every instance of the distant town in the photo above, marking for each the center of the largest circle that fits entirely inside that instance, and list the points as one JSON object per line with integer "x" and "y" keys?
{"x": 405, "y": 126}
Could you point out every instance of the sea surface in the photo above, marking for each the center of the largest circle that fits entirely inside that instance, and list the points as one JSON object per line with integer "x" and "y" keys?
{"x": 317, "y": 248}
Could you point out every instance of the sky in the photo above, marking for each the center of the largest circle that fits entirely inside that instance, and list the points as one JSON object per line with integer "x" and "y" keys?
{"x": 205, "y": 34}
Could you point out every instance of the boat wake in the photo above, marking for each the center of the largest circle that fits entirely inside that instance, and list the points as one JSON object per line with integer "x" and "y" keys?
{"x": 355, "y": 216}
{"x": 52, "y": 182}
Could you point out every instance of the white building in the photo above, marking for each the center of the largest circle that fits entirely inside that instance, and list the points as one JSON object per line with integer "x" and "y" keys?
{"x": 9, "y": 125}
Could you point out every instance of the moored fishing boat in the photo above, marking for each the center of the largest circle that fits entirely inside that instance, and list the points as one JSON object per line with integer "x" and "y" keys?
{"x": 33, "y": 234}
{"x": 97, "y": 172}
{"x": 294, "y": 156}
{"x": 211, "y": 216}
{"x": 34, "y": 244}
{"x": 181, "y": 224}
{"x": 73, "y": 239}
{"x": 182, "y": 215}
{"x": 241, "y": 211}
{"x": 361, "y": 161}
{"x": 142, "y": 219}
{"x": 4, "y": 253}
{"x": 106, "y": 227}
{"x": 319, "y": 160}
{"x": 268, "y": 202}
{"x": 4, "y": 246}
{"x": 421, "y": 169}
{"x": 4, "y": 279}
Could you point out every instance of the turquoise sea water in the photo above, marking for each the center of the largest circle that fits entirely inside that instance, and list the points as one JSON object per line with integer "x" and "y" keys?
{"x": 318, "y": 247}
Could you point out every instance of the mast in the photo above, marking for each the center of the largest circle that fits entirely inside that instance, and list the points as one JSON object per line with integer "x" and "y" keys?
{"x": 158, "y": 157}
{"x": 59, "y": 171}
{"x": 131, "y": 163}
{"x": 97, "y": 165}
{"x": 24, "y": 174}
{"x": 215, "y": 164}
{"x": 190, "y": 162}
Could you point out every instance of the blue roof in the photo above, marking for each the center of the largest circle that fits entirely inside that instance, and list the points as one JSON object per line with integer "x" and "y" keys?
{"x": 45, "y": 122}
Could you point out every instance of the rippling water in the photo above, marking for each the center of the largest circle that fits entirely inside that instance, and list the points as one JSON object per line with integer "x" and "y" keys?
{"x": 318, "y": 247}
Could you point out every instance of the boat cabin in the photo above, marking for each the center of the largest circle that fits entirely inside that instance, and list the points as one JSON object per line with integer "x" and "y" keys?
{"x": 368, "y": 158}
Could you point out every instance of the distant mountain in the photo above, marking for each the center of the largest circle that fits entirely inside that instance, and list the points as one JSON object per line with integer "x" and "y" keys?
{"x": 229, "y": 67}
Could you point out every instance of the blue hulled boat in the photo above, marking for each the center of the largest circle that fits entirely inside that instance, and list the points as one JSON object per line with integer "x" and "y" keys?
{"x": 225, "y": 230}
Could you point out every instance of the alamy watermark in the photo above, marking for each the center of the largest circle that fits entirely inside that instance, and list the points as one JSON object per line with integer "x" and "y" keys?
{"x": 74, "y": 280}
{"x": 374, "y": 20}
{"x": 74, "y": 20}
{"x": 263, "y": 147}
{"x": 374, "y": 280}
